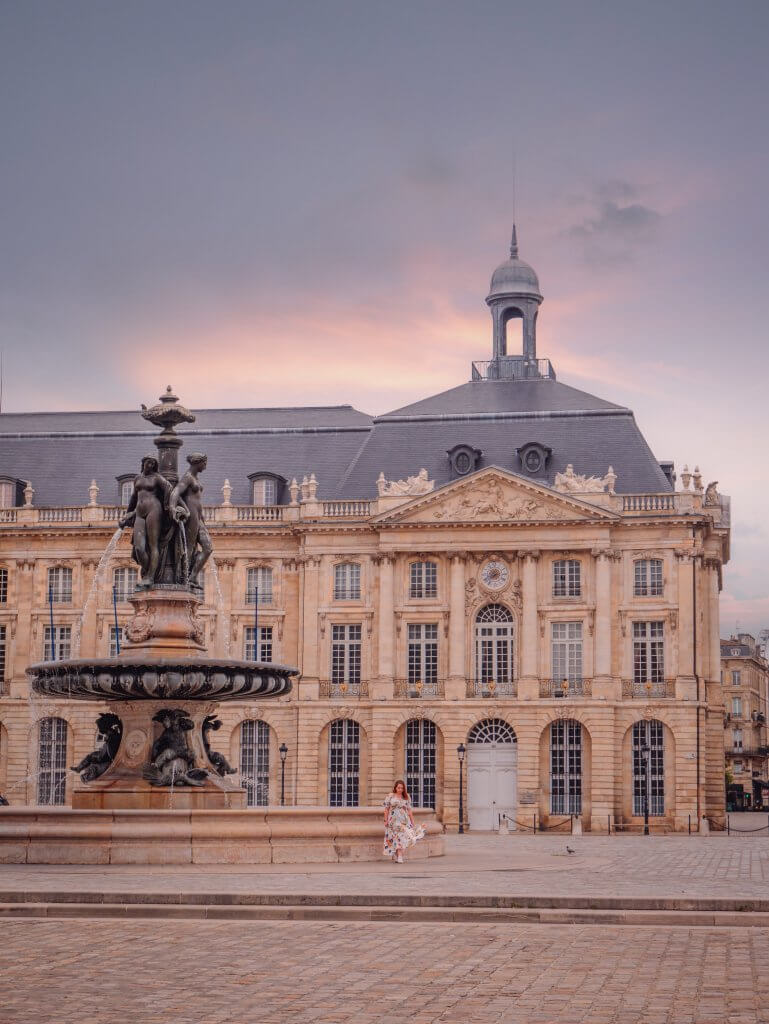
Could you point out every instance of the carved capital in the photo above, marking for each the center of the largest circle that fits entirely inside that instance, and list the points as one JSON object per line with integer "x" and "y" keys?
{"x": 531, "y": 556}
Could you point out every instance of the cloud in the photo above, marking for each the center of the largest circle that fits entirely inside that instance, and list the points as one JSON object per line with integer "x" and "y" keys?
{"x": 614, "y": 225}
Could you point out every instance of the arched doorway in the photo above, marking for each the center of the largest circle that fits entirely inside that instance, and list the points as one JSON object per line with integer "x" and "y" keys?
{"x": 52, "y": 761}
{"x": 649, "y": 748}
{"x": 493, "y": 651}
{"x": 492, "y": 774}
{"x": 344, "y": 763}
{"x": 420, "y": 749}
{"x": 255, "y": 761}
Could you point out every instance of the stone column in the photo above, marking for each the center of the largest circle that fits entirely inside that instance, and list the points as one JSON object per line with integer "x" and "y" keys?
{"x": 686, "y": 686}
{"x": 456, "y": 683}
{"x": 309, "y": 682}
{"x": 528, "y": 684}
{"x": 604, "y": 687}
{"x": 382, "y": 688}
{"x": 19, "y": 634}
{"x": 713, "y": 567}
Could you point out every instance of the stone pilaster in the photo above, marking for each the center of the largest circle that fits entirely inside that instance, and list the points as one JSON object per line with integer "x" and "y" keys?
{"x": 456, "y": 684}
{"x": 604, "y": 687}
{"x": 686, "y": 684}
{"x": 309, "y": 681}
{"x": 386, "y": 647}
{"x": 528, "y": 684}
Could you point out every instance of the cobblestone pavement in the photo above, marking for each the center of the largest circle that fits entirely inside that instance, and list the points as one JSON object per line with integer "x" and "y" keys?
{"x": 161, "y": 972}
{"x": 475, "y": 864}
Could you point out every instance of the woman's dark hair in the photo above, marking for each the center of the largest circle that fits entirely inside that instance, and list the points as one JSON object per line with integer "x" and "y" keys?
{"x": 400, "y": 782}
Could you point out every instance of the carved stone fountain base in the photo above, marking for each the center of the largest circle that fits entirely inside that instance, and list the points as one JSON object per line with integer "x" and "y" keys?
{"x": 165, "y": 624}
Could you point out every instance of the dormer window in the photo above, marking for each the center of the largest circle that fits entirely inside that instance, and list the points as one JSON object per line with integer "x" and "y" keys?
{"x": 125, "y": 488}
{"x": 534, "y": 457}
{"x": 9, "y": 492}
{"x": 464, "y": 459}
{"x": 266, "y": 488}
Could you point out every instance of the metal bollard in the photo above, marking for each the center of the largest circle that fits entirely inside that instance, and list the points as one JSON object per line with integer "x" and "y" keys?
{"x": 728, "y": 826}
{"x": 690, "y": 824}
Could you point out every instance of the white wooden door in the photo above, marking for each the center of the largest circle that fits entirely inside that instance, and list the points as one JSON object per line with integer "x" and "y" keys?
{"x": 491, "y": 784}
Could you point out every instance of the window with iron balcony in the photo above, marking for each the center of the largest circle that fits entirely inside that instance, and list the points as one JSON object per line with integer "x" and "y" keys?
{"x": 422, "y": 656}
{"x": 649, "y": 653}
{"x": 567, "y": 578}
{"x": 346, "y": 655}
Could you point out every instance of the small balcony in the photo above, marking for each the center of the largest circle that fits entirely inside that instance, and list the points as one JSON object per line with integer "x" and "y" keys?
{"x": 492, "y": 688}
{"x": 633, "y": 690}
{"x": 564, "y": 688}
{"x": 419, "y": 689}
{"x": 513, "y": 368}
{"x": 342, "y": 691}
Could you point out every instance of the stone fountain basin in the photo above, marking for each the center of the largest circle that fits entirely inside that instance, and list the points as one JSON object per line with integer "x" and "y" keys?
{"x": 164, "y": 679}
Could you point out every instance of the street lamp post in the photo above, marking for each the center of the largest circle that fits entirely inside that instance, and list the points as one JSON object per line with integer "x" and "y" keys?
{"x": 645, "y": 760}
{"x": 461, "y": 755}
{"x": 283, "y": 751}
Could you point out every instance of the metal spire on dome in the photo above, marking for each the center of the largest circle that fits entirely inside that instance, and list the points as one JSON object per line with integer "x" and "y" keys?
{"x": 514, "y": 244}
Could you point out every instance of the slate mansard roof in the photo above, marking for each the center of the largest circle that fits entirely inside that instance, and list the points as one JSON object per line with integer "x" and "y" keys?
{"x": 60, "y": 453}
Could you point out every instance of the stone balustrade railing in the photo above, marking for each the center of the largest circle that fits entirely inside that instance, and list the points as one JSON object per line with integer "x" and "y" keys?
{"x": 346, "y": 509}
{"x": 650, "y": 502}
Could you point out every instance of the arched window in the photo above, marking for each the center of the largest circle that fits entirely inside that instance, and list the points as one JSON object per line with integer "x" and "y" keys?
{"x": 566, "y": 767}
{"x": 255, "y": 761}
{"x": 266, "y": 488}
{"x": 420, "y": 749}
{"x": 647, "y": 577}
{"x": 125, "y": 485}
{"x": 648, "y": 768}
{"x": 347, "y": 581}
{"x": 259, "y": 583}
{"x": 492, "y": 730}
{"x": 125, "y": 580}
{"x": 494, "y": 651}
{"x": 52, "y": 761}
{"x": 59, "y": 585}
{"x": 343, "y": 763}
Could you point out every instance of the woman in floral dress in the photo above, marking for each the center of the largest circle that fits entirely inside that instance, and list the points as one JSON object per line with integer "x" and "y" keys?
{"x": 400, "y": 830}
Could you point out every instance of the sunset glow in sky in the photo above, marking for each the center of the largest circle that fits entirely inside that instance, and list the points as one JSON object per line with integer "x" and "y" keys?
{"x": 287, "y": 203}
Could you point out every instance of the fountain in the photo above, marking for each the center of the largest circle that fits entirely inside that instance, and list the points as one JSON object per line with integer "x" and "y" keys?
{"x": 154, "y": 791}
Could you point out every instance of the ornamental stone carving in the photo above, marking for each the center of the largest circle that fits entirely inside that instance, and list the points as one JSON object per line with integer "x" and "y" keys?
{"x": 492, "y": 501}
{"x": 140, "y": 627}
{"x": 412, "y": 485}
{"x": 576, "y": 483}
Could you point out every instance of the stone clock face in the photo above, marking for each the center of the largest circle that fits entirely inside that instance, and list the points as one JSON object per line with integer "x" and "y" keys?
{"x": 495, "y": 575}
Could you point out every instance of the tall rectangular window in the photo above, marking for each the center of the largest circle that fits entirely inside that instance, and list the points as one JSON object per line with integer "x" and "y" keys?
{"x": 567, "y": 652}
{"x": 126, "y": 492}
{"x": 647, "y": 578}
{"x": 567, "y": 578}
{"x": 423, "y": 652}
{"x": 58, "y": 645}
{"x": 2, "y": 653}
{"x": 59, "y": 585}
{"x": 3, "y": 586}
{"x": 259, "y": 583}
{"x": 736, "y": 677}
{"x": 648, "y": 652}
{"x": 423, "y": 580}
{"x": 737, "y": 707}
{"x": 115, "y": 635}
{"x": 345, "y": 654}
{"x": 124, "y": 581}
{"x": 264, "y": 653}
{"x": 52, "y": 761}
{"x": 737, "y": 739}
{"x": 347, "y": 581}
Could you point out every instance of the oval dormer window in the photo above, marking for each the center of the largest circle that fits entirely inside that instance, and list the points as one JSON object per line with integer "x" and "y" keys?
{"x": 464, "y": 459}
{"x": 534, "y": 458}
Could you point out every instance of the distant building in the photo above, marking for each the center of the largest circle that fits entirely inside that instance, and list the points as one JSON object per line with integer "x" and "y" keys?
{"x": 745, "y": 679}
{"x": 505, "y": 565}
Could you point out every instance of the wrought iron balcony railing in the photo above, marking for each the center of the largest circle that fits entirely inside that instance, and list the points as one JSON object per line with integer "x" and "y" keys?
{"x": 565, "y": 687}
{"x": 342, "y": 691}
{"x": 419, "y": 689}
{"x": 643, "y": 691}
{"x": 513, "y": 368}
{"x": 492, "y": 688}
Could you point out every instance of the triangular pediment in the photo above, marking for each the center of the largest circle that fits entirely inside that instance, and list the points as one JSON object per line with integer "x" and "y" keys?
{"x": 494, "y": 496}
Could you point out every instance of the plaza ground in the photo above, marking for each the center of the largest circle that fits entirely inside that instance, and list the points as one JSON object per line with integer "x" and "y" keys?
{"x": 159, "y": 968}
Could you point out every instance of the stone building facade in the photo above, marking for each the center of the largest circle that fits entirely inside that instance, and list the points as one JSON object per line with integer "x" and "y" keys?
{"x": 745, "y": 679}
{"x": 504, "y": 566}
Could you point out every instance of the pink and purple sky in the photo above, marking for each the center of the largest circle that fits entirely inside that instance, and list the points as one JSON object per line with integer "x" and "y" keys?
{"x": 273, "y": 203}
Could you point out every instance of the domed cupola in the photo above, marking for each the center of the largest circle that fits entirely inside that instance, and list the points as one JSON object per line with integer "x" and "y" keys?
{"x": 514, "y": 277}
{"x": 515, "y": 294}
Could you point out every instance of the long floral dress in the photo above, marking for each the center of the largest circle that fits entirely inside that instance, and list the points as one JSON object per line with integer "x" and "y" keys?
{"x": 399, "y": 832}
